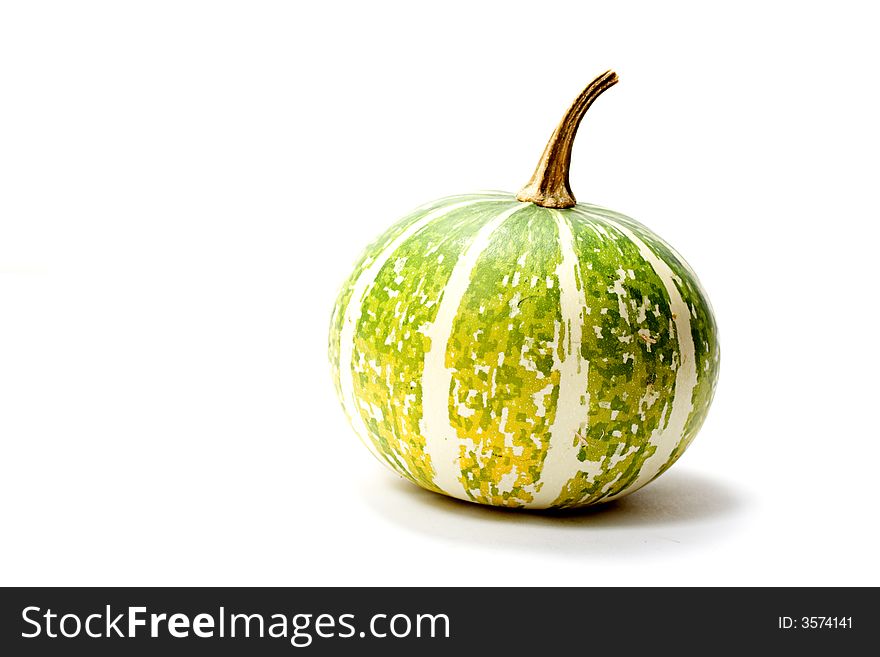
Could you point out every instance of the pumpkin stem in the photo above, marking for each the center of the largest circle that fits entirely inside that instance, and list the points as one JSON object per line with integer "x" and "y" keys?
{"x": 549, "y": 186}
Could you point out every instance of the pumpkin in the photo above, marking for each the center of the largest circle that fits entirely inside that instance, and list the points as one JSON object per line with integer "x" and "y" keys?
{"x": 525, "y": 350}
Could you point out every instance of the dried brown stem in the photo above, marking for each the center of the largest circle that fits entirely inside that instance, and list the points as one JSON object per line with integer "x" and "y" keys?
{"x": 549, "y": 186}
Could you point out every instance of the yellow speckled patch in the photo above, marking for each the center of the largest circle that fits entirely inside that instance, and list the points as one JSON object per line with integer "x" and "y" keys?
{"x": 503, "y": 399}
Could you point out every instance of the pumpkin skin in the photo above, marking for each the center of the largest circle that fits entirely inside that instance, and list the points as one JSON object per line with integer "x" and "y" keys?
{"x": 514, "y": 355}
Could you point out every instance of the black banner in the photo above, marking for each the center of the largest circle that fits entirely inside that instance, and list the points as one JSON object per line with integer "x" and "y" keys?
{"x": 499, "y": 621}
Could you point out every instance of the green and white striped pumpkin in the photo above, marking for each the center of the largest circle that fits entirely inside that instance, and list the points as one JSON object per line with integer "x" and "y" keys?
{"x": 511, "y": 354}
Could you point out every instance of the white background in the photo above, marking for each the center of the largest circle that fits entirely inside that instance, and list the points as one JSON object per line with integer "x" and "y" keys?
{"x": 184, "y": 185}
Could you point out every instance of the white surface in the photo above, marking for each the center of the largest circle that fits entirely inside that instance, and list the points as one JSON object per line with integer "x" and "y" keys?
{"x": 184, "y": 185}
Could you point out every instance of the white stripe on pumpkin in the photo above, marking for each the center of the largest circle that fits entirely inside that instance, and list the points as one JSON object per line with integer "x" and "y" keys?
{"x": 572, "y": 408}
